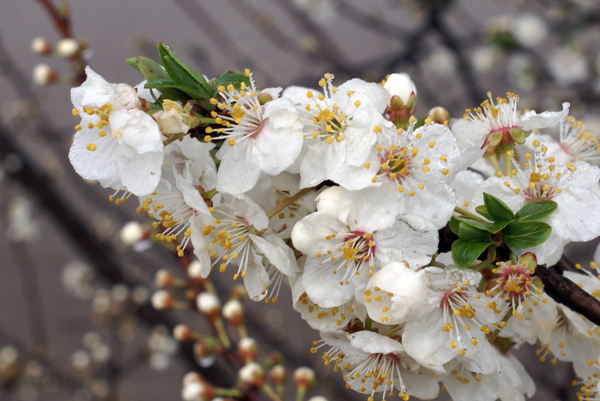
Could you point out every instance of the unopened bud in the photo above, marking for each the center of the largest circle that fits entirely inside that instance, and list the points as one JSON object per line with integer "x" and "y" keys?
{"x": 165, "y": 279}
{"x": 238, "y": 292}
{"x": 439, "y": 115}
{"x": 195, "y": 269}
{"x": 401, "y": 87}
{"x": 182, "y": 332}
{"x": 304, "y": 377}
{"x": 40, "y": 46}
{"x": 277, "y": 374}
{"x": 329, "y": 199}
{"x": 318, "y": 398}
{"x": 43, "y": 74}
{"x": 162, "y": 300}
{"x": 192, "y": 377}
{"x": 233, "y": 311}
{"x": 252, "y": 375}
{"x": 197, "y": 391}
{"x": 67, "y": 47}
{"x": 247, "y": 349}
{"x": 208, "y": 304}
{"x": 132, "y": 233}
{"x": 205, "y": 352}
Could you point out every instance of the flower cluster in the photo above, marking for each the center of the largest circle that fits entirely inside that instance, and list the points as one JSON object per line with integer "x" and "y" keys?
{"x": 344, "y": 193}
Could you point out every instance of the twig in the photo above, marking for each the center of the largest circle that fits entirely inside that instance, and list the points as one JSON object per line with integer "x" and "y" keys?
{"x": 566, "y": 292}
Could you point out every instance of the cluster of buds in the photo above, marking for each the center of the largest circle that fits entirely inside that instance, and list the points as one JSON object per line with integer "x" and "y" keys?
{"x": 69, "y": 49}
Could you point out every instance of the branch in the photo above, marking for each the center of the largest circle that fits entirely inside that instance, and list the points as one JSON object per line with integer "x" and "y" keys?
{"x": 566, "y": 292}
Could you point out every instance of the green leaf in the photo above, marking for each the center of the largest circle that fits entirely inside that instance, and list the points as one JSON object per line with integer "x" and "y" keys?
{"x": 497, "y": 209}
{"x": 182, "y": 74}
{"x": 483, "y": 211}
{"x": 469, "y": 233}
{"x": 233, "y": 78}
{"x": 465, "y": 252}
{"x": 536, "y": 211}
{"x": 525, "y": 234}
{"x": 163, "y": 85}
{"x": 489, "y": 227}
{"x": 150, "y": 70}
{"x": 454, "y": 222}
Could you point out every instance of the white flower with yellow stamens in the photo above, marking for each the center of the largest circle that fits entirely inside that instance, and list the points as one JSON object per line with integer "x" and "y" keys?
{"x": 454, "y": 320}
{"x": 341, "y": 127}
{"x": 116, "y": 143}
{"x": 411, "y": 166}
{"x": 378, "y": 363}
{"x": 575, "y": 143}
{"x": 499, "y": 124}
{"x": 241, "y": 237}
{"x": 177, "y": 203}
{"x": 570, "y": 186}
{"x": 345, "y": 247}
{"x": 262, "y": 133}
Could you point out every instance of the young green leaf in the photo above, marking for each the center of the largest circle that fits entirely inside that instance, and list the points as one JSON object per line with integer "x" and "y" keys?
{"x": 163, "y": 85}
{"x": 536, "y": 211}
{"x": 465, "y": 252}
{"x": 483, "y": 211}
{"x": 184, "y": 75}
{"x": 489, "y": 227}
{"x": 454, "y": 224}
{"x": 525, "y": 234}
{"x": 233, "y": 78}
{"x": 150, "y": 70}
{"x": 497, "y": 209}
{"x": 469, "y": 233}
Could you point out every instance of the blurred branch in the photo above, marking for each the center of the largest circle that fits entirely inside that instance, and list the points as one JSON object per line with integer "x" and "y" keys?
{"x": 38, "y": 183}
{"x": 374, "y": 23}
{"x": 464, "y": 68}
{"x": 61, "y": 20}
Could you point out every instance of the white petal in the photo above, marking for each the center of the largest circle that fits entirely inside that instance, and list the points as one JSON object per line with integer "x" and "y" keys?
{"x": 240, "y": 167}
{"x": 277, "y": 252}
{"x": 531, "y": 120}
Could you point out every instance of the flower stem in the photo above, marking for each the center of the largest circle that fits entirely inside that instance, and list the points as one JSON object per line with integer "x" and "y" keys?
{"x": 494, "y": 160}
{"x": 464, "y": 212}
{"x": 222, "y": 333}
{"x": 228, "y": 392}
{"x": 270, "y": 392}
{"x": 495, "y": 334}
{"x": 170, "y": 139}
{"x": 288, "y": 202}
{"x": 300, "y": 392}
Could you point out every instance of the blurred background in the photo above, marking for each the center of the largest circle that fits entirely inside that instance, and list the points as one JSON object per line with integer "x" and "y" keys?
{"x": 75, "y": 322}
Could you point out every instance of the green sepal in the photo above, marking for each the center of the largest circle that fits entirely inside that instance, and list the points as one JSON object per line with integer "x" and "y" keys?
{"x": 517, "y": 134}
{"x": 495, "y": 138}
{"x": 536, "y": 211}
{"x": 497, "y": 209}
{"x": 526, "y": 234}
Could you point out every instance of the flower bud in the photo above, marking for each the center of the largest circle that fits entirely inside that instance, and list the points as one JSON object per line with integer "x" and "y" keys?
{"x": 208, "y": 304}
{"x": 43, "y": 74}
{"x": 132, "y": 233}
{"x": 247, "y": 349}
{"x": 67, "y": 47}
{"x": 252, "y": 375}
{"x": 182, "y": 332}
{"x": 197, "y": 391}
{"x": 233, "y": 311}
{"x": 304, "y": 377}
{"x": 402, "y": 91}
{"x": 204, "y": 351}
{"x": 191, "y": 377}
{"x": 162, "y": 300}
{"x": 238, "y": 291}
{"x": 439, "y": 115}
{"x": 318, "y": 398}
{"x": 329, "y": 199}
{"x": 165, "y": 279}
{"x": 41, "y": 46}
{"x": 277, "y": 374}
